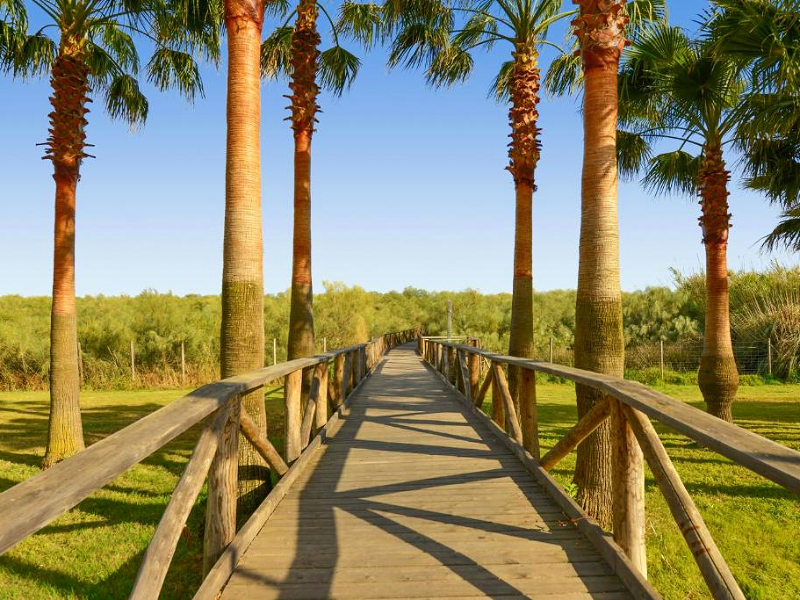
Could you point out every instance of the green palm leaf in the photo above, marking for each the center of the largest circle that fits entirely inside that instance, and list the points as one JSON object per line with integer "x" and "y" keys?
{"x": 337, "y": 69}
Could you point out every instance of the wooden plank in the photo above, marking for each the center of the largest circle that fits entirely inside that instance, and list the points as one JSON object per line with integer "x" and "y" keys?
{"x": 579, "y": 432}
{"x": 216, "y": 578}
{"x": 627, "y": 473}
{"x": 321, "y": 414}
{"x": 261, "y": 444}
{"x": 712, "y": 564}
{"x": 508, "y": 403}
{"x": 399, "y": 489}
{"x": 220, "y": 519}
{"x": 291, "y": 412}
{"x": 529, "y": 417}
{"x": 160, "y": 550}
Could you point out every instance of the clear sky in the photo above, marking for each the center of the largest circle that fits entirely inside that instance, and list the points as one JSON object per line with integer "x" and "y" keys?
{"x": 409, "y": 189}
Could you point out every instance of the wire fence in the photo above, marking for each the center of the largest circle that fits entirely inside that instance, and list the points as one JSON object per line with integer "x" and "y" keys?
{"x": 679, "y": 356}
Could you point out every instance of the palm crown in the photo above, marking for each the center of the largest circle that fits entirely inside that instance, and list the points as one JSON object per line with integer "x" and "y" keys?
{"x": 671, "y": 87}
{"x": 100, "y": 34}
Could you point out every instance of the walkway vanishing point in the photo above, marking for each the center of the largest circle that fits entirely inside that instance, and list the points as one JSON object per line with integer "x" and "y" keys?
{"x": 395, "y": 484}
{"x": 414, "y": 497}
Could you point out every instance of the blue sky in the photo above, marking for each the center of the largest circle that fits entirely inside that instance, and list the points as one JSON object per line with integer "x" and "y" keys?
{"x": 408, "y": 188}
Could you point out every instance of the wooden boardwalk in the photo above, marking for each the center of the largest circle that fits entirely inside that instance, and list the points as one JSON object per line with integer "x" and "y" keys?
{"x": 414, "y": 497}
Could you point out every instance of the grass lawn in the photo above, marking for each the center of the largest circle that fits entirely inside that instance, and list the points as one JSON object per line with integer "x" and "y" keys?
{"x": 94, "y": 550}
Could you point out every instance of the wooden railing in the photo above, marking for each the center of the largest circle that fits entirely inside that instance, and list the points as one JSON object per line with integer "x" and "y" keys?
{"x": 36, "y": 502}
{"x": 631, "y": 406}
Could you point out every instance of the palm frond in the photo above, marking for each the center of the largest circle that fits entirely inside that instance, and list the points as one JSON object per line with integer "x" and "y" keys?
{"x": 772, "y": 166}
{"x": 633, "y": 154}
{"x": 120, "y": 45}
{"x": 786, "y": 233}
{"x": 564, "y": 76}
{"x": 449, "y": 66}
{"x": 500, "y": 88}
{"x": 125, "y": 101}
{"x": 364, "y": 22}
{"x": 337, "y": 69}
{"x": 170, "y": 68}
{"x": 276, "y": 53}
{"x": 673, "y": 173}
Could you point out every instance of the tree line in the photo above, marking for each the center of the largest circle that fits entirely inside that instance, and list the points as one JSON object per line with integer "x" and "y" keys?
{"x": 641, "y": 82}
{"x": 763, "y": 306}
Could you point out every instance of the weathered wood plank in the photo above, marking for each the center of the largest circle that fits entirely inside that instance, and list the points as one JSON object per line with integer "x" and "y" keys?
{"x": 157, "y": 557}
{"x": 712, "y": 564}
{"x": 408, "y": 483}
{"x": 261, "y": 444}
{"x": 585, "y": 426}
{"x": 222, "y": 489}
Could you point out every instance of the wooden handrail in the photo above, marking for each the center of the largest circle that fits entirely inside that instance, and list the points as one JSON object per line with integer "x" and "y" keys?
{"x": 633, "y": 403}
{"x": 759, "y": 454}
{"x": 37, "y": 501}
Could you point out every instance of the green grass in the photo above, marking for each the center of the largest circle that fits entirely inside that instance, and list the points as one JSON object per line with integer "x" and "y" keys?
{"x": 94, "y": 550}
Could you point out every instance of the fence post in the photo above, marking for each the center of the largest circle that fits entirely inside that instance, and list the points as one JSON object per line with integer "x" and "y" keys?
{"x": 551, "y": 349}
{"x": 222, "y": 490}
{"x": 769, "y": 355}
{"x": 661, "y": 361}
{"x": 324, "y": 344}
{"x": 292, "y": 415}
{"x": 183, "y": 363}
{"x": 133, "y": 363}
{"x": 274, "y": 351}
{"x": 627, "y": 489}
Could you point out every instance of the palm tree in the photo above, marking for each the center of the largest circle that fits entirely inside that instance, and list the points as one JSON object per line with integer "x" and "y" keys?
{"x": 674, "y": 88}
{"x": 294, "y": 52}
{"x": 765, "y": 36}
{"x": 442, "y": 38}
{"x": 602, "y": 30}
{"x": 242, "y": 330}
{"x": 95, "y": 53}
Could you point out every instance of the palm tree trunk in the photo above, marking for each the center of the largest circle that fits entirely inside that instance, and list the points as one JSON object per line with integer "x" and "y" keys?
{"x": 718, "y": 376}
{"x": 305, "y": 42}
{"x": 599, "y": 343}
{"x": 65, "y": 148}
{"x": 524, "y": 154}
{"x": 242, "y": 335}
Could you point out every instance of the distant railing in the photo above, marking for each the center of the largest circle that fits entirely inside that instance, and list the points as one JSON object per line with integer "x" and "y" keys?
{"x": 36, "y": 502}
{"x": 629, "y": 404}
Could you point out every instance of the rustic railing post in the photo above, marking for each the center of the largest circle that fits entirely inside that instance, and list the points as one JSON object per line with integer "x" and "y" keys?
{"x": 473, "y": 364}
{"x": 347, "y": 371}
{"x": 627, "y": 469}
{"x": 338, "y": 379}
{"x": 528, "y": 411}
{"x": 293, "y": 384}
{"x": 498, "y": 411}
{"x": 220, "y": 526}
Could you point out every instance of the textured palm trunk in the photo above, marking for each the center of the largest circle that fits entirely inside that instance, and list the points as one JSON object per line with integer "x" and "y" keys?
{"x": 524, "y": 155}
{"x": 65, "y": 148}
{"x": 305, "y": 43}
{"x": 718, "y": 376}
{"x": 599, "y": 343}
{"x": 242, "y": 335}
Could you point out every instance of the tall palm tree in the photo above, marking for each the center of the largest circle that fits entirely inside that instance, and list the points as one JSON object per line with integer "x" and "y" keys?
{"x": 674, "y": 88}
{"x": 242, "y": 330}
{"x": 442, "y": 37}
{"x": 95, "y": 53}
{"x": 295, "y": 52}
{"x": 765, "y": 36}
{"x": 602, "y": 30}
